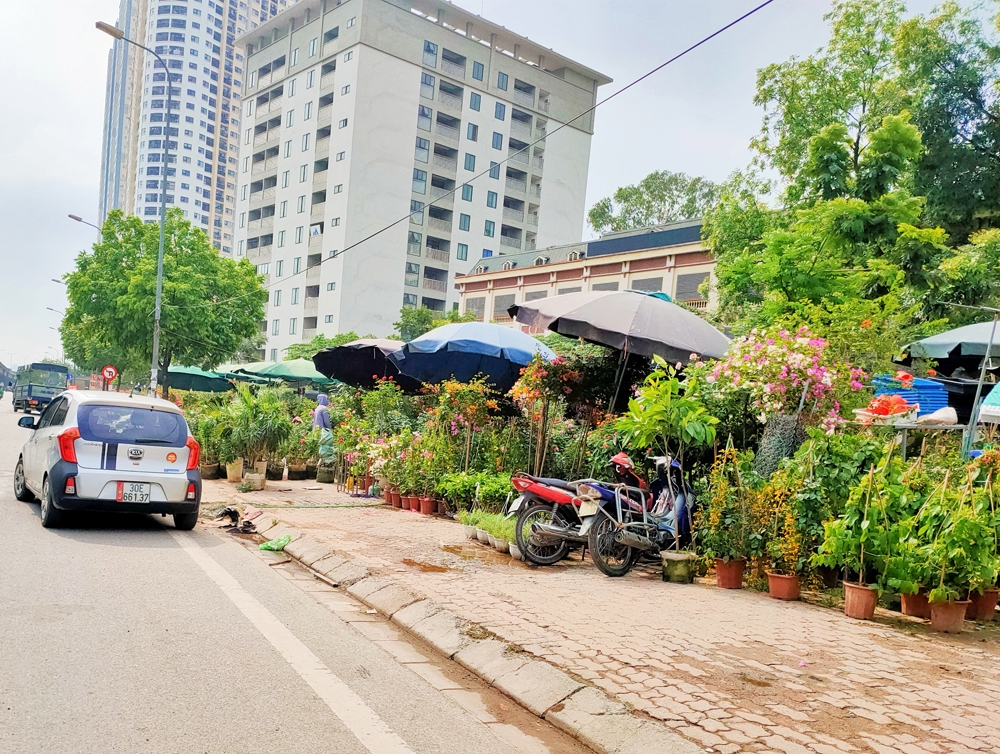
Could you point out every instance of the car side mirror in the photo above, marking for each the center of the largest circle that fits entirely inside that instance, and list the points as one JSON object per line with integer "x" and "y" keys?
{"x": 27, "y": 422}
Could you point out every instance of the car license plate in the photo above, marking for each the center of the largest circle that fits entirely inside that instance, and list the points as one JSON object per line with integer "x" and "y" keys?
{"x": 514, "y": 506}
{"x": 588, "y": 508}
{"x": 133, "y": 492}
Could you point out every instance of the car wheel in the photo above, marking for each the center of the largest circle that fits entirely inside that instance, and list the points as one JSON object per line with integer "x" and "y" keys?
{"x": 21, "y": 491}
{"x": 185, "y": 521}
{"x": 51, "y": 516}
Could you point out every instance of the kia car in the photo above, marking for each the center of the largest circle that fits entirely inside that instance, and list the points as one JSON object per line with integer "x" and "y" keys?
{"x": 108, "y": 451}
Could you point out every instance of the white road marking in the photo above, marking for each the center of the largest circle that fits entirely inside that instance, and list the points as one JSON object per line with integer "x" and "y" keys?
{"x": 370, "y": 730}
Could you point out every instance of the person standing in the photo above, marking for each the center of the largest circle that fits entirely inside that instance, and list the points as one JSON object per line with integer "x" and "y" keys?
{"x": 321, "y": 416}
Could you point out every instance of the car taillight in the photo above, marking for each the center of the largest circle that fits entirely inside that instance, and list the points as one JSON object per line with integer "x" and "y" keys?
{"x": 70, "y": 488}
{"x": 66, "y": 448}
{"x": 194, "y": 453}
{"x": 192, "y": 493}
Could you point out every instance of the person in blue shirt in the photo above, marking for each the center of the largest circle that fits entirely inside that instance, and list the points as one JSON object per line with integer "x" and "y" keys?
{"x": 321, "y": 416}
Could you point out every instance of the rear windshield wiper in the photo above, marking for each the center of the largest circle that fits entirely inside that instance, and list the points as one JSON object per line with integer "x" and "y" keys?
{"x": 151, "y": 441}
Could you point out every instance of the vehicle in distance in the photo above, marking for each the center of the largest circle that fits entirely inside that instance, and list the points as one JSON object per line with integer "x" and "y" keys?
{"x": 106, "y": 451}
{"x": 37, "y": 384}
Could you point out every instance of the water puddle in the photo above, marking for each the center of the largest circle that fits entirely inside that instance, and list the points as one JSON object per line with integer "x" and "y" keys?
{"x": 483, "y": 555}
{"x": 426, "y": 567}
{"x": 754, "y": 681}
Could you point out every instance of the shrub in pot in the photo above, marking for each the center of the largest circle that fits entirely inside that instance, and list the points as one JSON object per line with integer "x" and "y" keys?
{"x": 784, "y": 548}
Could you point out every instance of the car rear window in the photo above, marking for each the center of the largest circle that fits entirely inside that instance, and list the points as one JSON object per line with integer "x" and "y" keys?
{"x": 131, "y": 425}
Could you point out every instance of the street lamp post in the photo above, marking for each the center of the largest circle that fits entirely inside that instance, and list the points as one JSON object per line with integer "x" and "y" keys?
{"x": 117, "y": 33}
{"x": 81, "y": 220}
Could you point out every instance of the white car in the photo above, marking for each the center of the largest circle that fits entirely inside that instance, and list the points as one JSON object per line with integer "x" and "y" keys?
{"x": 106, "y": 451}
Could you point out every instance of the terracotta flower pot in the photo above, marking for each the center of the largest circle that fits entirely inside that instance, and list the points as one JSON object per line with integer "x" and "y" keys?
{"x": 859, "y": 601}
{"x": 948, "y": 617}
{"x": 415, "y": 503}
{"x": 783, "y": 587}
{"x": 730, "y": 575}
{"x": 982, "y": 606}
{"x": 368, "y": 483}
{"x": 915, "y": 605}
{"x": 395, "y": 499}
{"x": 427, "y": 505}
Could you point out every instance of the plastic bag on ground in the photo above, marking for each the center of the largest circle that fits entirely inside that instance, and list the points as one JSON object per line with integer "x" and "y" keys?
{"x": 277, "y": 545}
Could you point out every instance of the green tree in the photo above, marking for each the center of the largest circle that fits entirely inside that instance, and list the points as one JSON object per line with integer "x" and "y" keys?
{"x": 661, "y": 197}
{"x": 415, "y": 321}
{"x": 318, "y": 343}
{"x": 211, "y": 305}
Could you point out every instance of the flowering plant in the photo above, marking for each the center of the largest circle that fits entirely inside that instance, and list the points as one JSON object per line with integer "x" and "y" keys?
{"x": 779, "y": 370}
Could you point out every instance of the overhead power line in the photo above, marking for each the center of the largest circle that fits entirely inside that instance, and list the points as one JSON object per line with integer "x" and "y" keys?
{"x": 479, "y": 175}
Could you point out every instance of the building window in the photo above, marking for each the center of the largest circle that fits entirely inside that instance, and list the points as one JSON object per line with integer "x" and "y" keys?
{"x": 470, "y": 161}
{"x": 281, "y": 238}
{"x": 338, "y": 188}
{"x": 423, "y": 150}
{"x": 305, "y": 141}
{"x": 300, "y": 205}
{"x": 648, "y": 284}
{"x": 424, "y": 118}
{"x": 303, "y": 173}
{"x": 475, "y": 101}
{"x": 294, "y": 58}
{"x": 340, "y": 156}
{"x": 494, "y": 170}
{"x": 477, "y": 71}
{"x": 416, "y": 212}
{"x": 472, "y": 132}
{"x": 290, "y": 118}
{"x": 275, "y": 327}
{"x": 464, "y": 222}
{"x": 467, "y": 192}
{"x": 239, "y": 250}
{"x": 491, "y": 199}
{"x": 497, "y": 140}
{"x": 412, "y": 277}
{"x": 487, "y": 253}
{"x": 500, "y": 111}
{"x": 604, "y": 286}
{"x": 310, "y": 79}
{"x": 489, "y": 229}
{"x": 346, "y": 89}
{"x": 342, "y": 123}
{"x": 307, "y": 111}
{"x": 298, "y": 233}
{"x": 463, "y": 252}
{"x": 350, "y": 21}
{"x": 419, "y": 181}
{"x": 329, "y": 317}
{"x": 426, "y": 86}
{"x": 334, "y": 222}
{"x": 430, "y": 54}
{"x": 279, "y": 268}
{"x": 332, "y": 254}
{"x": 348, "y": 56}
{"x": 331, "y": 286}
{"x": 291, "y": 88}
{"x": 288, "y": 148}
{"x": 243, "y": 218}
{"x": 501, "y": 80}
{"x": 293, "y": 324}
{"x": 313, "y": 43}
{"x": 295, "y": 291}
{"x": 284, "y": 178}
{"x": 276, "y": 299}
{"x": 283, "y": 209}
{"x": 409, "y": 299}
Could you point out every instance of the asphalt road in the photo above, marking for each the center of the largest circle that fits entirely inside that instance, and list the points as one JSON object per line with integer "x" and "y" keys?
{"x": 118, "y": 633}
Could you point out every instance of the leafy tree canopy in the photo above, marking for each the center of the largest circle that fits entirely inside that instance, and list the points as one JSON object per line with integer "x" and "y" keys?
{"x": 415, "y": 321}
{"x": 661, "y": 197}
{"x": 211, "y": 305}
{"x": 319, "y": 342}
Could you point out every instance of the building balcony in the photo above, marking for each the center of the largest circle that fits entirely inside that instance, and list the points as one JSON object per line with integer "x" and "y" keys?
{"x": 308, "y": 334}
{"x": 450, "y": 100}
{"x": 538, "y": 162}
{"x": 272, "y": 134}
{"x": 312, "y": 273}
{"x": 523, "y": 98}
{"x": 260, "y": 255}
{"x": 447, "y": 132}
{"x": 529, "y": 245}
{"x": 536, "y": 190}
{"x": 316, "y": 242}
{"x": 543, "y": 105}
{"x": 327, "y": 81}
{"x": 540, "y": 132}
{"x": 439, "y": 224}
{"x": 448, "y": 163}
{"x": 442, "y": 195}
{"x": 514, "y": 243}
{"x": 317, "y": 212}
{"x": 439, "y": 255}
{"x": 533, "y": 219}
{"x": 435, "y": 285}
{"x": 520, "y": 127}
{"x": 516, "y": 184}
{"x": 516, "y": 155}
{"x": 513, "y": 214}
{"x": 453, "y": 69}
{"x": 322, "y": 148}
{"x": 311, "y": 305}
{"x": 270, "y": 193}
{"x": 271, "y": 163}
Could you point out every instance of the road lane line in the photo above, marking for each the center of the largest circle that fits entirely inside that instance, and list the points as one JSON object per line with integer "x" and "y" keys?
{"x": 370, "y": 730}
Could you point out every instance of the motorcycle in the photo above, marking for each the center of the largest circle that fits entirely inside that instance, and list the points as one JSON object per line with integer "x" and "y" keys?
{"x": 553, "y": 515}
{"x": 641, "y": 521}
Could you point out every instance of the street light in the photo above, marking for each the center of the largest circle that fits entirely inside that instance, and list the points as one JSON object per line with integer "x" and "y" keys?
{"x": 54, "y": 310}
{"x": 117, "y": 33}
{"x": 81, "y": 220}
{"x": 57, "y": 280}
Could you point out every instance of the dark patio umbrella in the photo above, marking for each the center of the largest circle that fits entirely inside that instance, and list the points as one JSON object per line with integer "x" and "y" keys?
{"x": 628, "y": 321}
{"x": 361, "y": 363}
{"x": 466, "y": 349}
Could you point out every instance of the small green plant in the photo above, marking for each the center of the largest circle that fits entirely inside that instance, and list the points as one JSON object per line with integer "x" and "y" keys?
{"x": 244, "y": 487}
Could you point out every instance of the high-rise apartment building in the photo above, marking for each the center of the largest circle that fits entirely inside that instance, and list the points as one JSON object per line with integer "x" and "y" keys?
{"x": 205, "y": 73}
{"x": 413, "y": 120}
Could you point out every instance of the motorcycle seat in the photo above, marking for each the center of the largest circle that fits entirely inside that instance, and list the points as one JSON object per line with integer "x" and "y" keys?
{"x": 561, "y": 484}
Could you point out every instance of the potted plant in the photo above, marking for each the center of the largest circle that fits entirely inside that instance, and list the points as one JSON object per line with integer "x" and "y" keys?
{"x": 469, "y": 519}
{"x": 204, "y": 427}
{"x": 785, "y": 540}
{"x": 256, "y": 424}
{"x": 230, "y": 457}
{"x": 726, "y": 526}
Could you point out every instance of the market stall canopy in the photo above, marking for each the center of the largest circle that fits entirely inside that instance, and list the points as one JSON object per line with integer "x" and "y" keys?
{"x": 293, "y": 370}
{"x": 970, "y": 340}
{"x": 467, "y": 349}
{"x": 193, "y": 378}
{"x": 253, "y": 367}
{"x": 363, "y": 362}
{"x": 629, "y": 321}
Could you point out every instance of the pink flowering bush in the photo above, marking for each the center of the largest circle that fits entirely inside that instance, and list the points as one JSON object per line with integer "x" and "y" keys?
{"x": 779, "y": 370}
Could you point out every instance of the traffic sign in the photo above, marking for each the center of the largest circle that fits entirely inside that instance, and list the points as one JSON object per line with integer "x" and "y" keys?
{"x": 109, "y": 373}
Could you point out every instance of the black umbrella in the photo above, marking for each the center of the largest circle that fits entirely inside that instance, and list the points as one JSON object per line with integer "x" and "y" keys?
{"x": 363, "y": 362}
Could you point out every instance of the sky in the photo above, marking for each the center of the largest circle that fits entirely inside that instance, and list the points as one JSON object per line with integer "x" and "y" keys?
{"x": 696, "y": 116}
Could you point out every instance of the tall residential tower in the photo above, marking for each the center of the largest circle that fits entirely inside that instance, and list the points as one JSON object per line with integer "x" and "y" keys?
{"x": 197, "y": 39}
{"x": 411, "y": 119}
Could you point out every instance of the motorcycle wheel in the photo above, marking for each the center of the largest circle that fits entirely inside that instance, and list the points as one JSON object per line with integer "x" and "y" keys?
{"x": 539, "y": 552}
{"x": 611, "y": 557}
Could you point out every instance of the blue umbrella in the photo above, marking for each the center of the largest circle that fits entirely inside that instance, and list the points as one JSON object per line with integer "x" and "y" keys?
{"x": 466, "y": 349}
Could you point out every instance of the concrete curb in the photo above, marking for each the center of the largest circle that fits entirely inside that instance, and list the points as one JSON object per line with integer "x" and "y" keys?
{"x": 587, "y": 713}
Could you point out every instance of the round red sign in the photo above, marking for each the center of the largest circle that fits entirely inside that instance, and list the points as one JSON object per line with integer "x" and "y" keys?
{"x": 109, "y": 373}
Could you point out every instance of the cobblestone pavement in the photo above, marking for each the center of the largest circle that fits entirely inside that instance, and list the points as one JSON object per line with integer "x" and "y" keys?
{"x": 734, "y": 671}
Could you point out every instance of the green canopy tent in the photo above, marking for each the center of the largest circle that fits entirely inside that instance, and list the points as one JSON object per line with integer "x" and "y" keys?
{"x": 293, "y": 370}
{"x": 193, "y": 378}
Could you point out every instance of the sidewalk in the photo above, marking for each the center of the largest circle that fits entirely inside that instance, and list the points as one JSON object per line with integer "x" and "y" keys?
{"x": 733, "y": 671}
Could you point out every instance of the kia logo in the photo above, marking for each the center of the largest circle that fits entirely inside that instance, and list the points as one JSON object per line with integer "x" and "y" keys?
{"x": 135, "y": 454}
